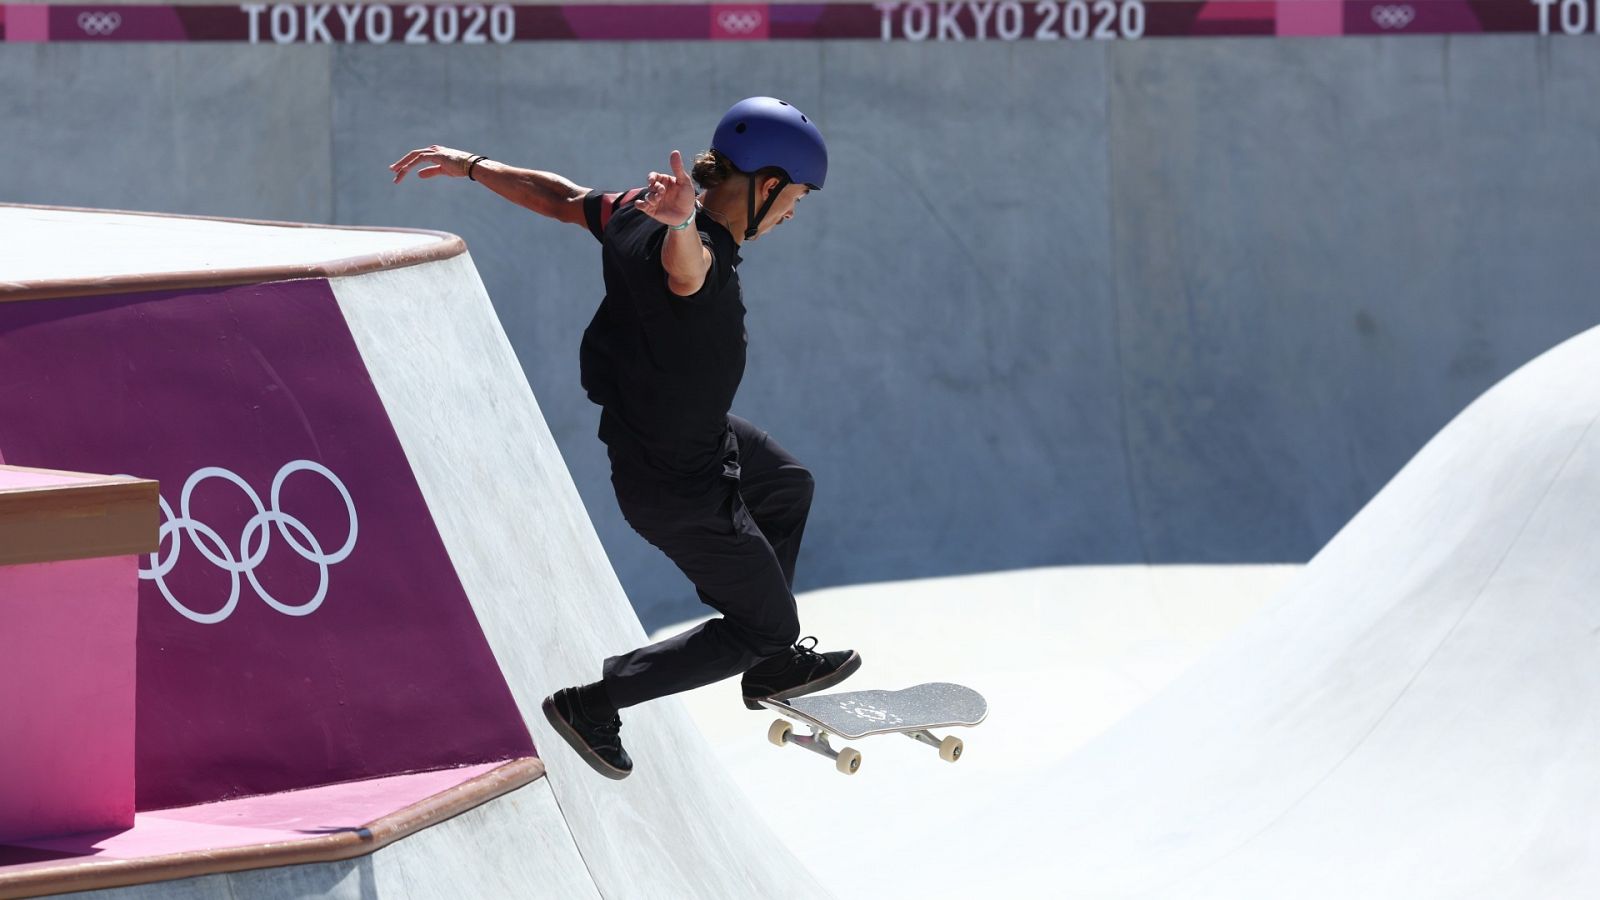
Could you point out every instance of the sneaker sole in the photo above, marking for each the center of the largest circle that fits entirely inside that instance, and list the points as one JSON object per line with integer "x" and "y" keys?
{"x": 576, "y": 743}
{"x": 811, "y": 687}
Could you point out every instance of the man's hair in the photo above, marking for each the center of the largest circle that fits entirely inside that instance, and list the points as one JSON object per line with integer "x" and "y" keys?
{"x": 712, "y": 168}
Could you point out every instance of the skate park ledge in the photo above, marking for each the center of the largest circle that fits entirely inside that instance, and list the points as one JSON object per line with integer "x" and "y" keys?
{"x": 68, "y": 587}
{"x": 322, "y": 824}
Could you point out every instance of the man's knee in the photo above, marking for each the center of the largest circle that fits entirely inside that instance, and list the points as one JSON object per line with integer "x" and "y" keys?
{"x": 791, "y": 633}
{"x": 806, "y": 483}
{"x": 799, "y": 486}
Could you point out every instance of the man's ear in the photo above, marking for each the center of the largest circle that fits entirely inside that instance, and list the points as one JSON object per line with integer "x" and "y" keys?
{"x": 768, "y": 185}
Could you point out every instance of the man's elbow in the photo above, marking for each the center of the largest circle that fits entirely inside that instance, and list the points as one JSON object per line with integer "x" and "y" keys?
{"x": 685, "y": 287}
{"x": 570, "y": 211}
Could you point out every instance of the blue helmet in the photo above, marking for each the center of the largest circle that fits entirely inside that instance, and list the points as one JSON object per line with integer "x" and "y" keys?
{"x": 758, "y": 132}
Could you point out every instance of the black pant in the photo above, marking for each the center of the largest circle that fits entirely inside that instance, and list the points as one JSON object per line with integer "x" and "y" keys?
{"x": 738, "y": 546}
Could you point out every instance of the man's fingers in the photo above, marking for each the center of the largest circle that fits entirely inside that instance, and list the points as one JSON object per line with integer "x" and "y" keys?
{"x": 430, "y": 171}
{"x": 662, "y": 184}
{"x": 408, "y": 162}
{"x": 410, "y": 159}
{"x": 664, "y": 190}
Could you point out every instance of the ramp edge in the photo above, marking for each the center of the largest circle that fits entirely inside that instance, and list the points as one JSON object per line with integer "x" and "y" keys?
{"x": 90, "y": 874}
{"x": 446, "y": 246}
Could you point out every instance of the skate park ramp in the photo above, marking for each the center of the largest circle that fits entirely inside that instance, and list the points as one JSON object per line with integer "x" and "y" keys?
{"x": 515, "y": 540}
{"x": 1413, "y": 715}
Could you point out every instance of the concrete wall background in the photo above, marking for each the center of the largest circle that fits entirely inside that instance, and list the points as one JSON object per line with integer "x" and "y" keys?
{"x": 1165, "y": 301}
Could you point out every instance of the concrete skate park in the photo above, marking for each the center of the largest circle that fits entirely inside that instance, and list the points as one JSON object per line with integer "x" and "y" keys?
{"x": 1220, "y": 407}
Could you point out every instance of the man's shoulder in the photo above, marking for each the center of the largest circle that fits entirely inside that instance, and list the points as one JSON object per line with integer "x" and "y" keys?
{"x": 601, "y": 207}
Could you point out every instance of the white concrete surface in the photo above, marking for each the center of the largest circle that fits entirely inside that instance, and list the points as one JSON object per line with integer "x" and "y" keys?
{"x": 1413, "y": 716}
{"x": 53, "y": 244}
{"x": 1061, "y": 654}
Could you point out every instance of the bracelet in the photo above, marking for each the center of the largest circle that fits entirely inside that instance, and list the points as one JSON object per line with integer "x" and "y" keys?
{"x": 686, "y": 222}
{"x": 473, "y": 162}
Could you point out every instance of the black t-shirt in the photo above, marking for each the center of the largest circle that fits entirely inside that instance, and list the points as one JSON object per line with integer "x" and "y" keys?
{"x": 663, "y": 368}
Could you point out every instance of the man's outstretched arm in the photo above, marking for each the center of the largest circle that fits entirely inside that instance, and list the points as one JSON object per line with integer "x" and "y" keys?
{"x": 546, "y": 193}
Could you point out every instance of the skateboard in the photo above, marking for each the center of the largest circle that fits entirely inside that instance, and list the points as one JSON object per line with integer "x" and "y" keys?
{"x": 853, "y": 715}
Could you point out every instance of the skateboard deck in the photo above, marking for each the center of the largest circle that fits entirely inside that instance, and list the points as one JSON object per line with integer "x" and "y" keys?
{"x": 853, "y": 715}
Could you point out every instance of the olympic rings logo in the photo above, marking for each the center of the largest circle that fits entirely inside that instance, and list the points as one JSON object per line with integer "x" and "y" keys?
{"x": 254, "y": 543}
{"x": 99, "y": 24}
{"x": 1393, "y": 17}
{"x": 739, "y": 21}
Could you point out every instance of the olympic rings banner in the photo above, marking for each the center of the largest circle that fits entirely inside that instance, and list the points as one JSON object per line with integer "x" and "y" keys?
{"x": 894, "y": 20}
{"x": 301, "y": 622}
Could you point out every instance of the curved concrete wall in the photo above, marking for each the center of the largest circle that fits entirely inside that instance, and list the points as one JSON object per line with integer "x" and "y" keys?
{"x": 1168, "y": 301}
{"x": 1397, "y": 723}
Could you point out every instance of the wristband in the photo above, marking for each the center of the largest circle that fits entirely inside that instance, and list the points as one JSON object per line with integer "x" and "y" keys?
{"x": 686, "y": 222}
{"x": 472, "y": 163}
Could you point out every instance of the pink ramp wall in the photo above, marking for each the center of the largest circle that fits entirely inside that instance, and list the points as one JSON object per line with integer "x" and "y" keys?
{"x": 301, "y": 623}
{"x": 67, "y": 634}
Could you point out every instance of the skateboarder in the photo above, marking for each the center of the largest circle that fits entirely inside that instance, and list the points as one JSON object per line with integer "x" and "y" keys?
{"x": 663, "y": 358}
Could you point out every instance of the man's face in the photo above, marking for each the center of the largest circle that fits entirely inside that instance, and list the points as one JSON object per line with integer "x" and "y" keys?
{"x": 783, "y": 208}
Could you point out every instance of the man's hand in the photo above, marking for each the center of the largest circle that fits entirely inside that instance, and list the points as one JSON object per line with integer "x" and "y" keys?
{"x": 669, "y": 199}
{"x": 439, "y": 161}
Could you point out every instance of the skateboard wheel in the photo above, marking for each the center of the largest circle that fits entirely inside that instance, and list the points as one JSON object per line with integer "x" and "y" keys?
{"x": 950, "y": 749}
{"x": 849, "y": 761}
{"x": 778, "y": 732}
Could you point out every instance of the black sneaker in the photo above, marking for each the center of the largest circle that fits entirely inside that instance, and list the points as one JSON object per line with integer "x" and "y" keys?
{"x": 800, "y": 671}
{"x": 600, "y": 744}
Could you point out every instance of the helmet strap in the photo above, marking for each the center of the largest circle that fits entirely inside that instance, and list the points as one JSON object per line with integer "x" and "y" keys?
{"x": 752, "y": 216}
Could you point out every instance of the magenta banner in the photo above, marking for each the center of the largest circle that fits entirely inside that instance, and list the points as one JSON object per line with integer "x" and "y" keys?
{"x": 896, "y": 20}
{"x": 301, "y": 623}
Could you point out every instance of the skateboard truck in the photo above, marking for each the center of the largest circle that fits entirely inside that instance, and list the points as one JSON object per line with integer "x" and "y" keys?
{"x": 854, "y": 715}
{"x": 848, "y": 760}
{"x": 949, "y": 747}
